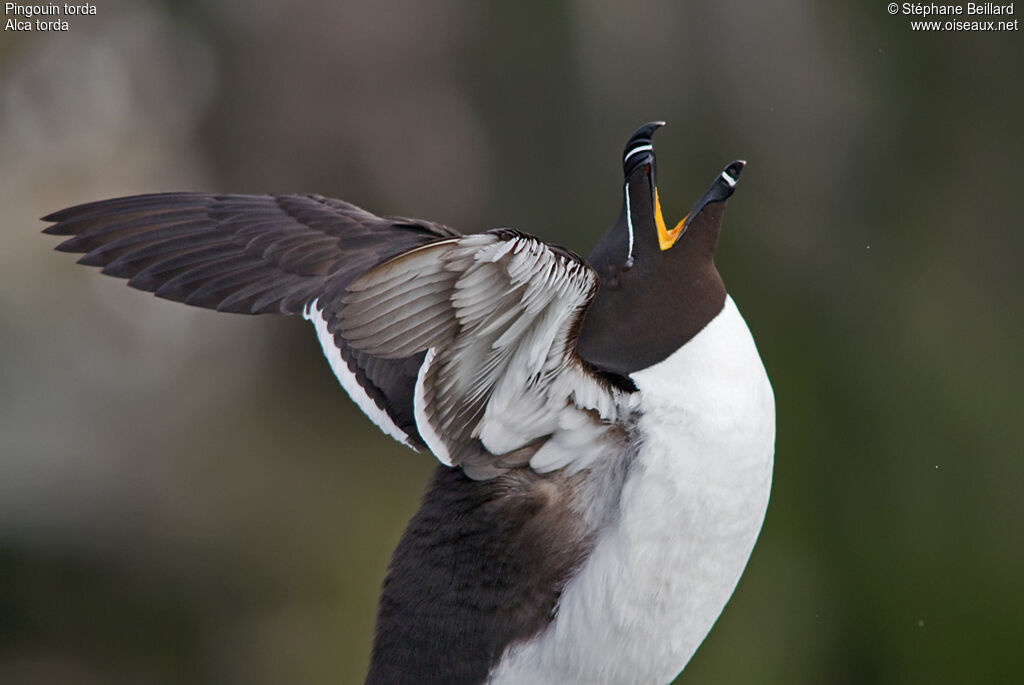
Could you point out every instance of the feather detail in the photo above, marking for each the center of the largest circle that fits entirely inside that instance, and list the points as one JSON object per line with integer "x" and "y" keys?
{"x": 501, "y": 382}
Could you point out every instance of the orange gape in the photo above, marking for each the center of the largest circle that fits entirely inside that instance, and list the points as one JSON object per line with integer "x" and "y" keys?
{"x": 666, "y": 238}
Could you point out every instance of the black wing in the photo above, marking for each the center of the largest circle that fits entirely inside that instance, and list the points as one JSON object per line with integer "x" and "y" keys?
{"x": 257, "y": 254}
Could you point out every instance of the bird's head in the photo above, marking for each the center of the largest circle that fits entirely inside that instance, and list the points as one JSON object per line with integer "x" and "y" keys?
{"x": 658, "y": 285}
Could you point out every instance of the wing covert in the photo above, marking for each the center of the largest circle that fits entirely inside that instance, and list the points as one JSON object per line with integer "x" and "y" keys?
{"x": 495, "y": 314}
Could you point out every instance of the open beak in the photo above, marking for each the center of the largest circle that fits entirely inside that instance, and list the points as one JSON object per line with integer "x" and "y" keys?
{"x": 719, "y": 190}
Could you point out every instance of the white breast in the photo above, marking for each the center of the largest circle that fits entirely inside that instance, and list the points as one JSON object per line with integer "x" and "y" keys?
{"x": 690, "y": 512}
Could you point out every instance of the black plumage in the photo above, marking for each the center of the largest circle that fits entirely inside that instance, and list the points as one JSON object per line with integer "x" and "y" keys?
{"x": 480, "y": 567}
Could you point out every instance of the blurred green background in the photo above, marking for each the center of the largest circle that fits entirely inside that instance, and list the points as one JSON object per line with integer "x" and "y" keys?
{"x": 190, "y": 497}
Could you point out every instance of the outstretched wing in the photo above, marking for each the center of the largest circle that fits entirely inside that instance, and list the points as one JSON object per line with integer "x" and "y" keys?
{"x": 258, "y": 254}
{"x": 251, "y": 254}
{"x": 496, "y": 314}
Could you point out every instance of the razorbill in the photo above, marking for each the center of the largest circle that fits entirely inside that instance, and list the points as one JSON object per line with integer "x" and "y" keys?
{"x": 604, "y": 426}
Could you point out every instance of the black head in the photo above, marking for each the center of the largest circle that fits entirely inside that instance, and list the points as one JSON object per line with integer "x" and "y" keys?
{"x": 658, "y": 286}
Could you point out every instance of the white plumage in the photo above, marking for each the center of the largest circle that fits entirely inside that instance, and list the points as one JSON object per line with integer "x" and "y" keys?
{"x": 690, "y": 512}
{"x": 314, "y": 315}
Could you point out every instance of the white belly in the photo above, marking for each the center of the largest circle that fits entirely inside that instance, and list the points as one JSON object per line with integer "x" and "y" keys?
{"x": 691, "y": 510}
